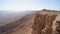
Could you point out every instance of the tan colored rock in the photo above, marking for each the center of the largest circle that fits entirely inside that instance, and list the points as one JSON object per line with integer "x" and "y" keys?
{"x": 41, "y": 22}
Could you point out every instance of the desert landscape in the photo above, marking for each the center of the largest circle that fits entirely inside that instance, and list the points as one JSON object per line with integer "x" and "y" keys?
{"x": 33, "y": 22}
{"x": 29, "y": 16}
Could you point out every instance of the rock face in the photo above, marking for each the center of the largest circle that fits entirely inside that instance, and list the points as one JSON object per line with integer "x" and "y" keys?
{"x": 48, "y": 27}
{"x": 39, "y": 23}
{"x": 43, "y": 24}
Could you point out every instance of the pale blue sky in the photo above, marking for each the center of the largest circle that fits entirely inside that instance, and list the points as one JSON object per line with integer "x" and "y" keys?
{"x": 29, "y": 4}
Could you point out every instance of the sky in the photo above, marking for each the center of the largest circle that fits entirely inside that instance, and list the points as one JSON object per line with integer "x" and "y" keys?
{"x": 29, "y": 4}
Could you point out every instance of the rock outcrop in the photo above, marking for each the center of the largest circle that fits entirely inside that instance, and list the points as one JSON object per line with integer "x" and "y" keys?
{"x": 43, "y": 23}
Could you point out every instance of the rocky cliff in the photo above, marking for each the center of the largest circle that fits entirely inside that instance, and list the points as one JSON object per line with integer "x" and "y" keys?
{"x": 35, "y": 23}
